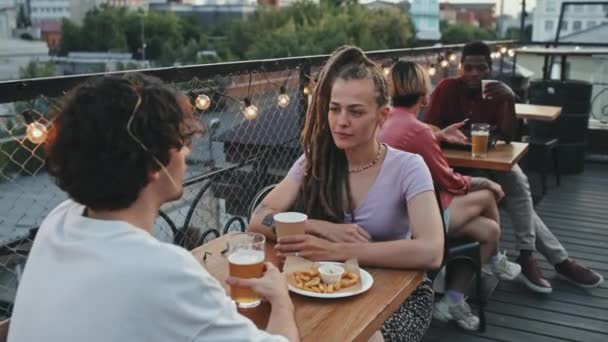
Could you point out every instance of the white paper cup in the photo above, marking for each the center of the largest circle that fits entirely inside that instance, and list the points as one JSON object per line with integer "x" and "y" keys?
{"x": 484, "y": 83}
{"x": 290, "y": 223}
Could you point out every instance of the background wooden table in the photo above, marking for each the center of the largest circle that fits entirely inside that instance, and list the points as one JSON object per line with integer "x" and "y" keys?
{"x": 500, "y": 158}
{"x": 537, "y": 112}
{"x": 344, "y": 319}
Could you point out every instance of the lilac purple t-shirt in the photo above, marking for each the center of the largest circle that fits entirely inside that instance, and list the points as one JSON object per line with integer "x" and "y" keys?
{"x": 383, "y": 212}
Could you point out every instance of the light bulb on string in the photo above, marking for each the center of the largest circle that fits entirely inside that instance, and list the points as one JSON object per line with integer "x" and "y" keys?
{"x": 306, "y": 90}
{"x": 386, "y": 71}
{"x": 511, "y": 52}
{"x": 432, "y": 70}
{"x": 444, "y": 63}
{"x": 250, "y": 111}
{"x": 36, "y": 132}
{"x": 503, "y": 50}
{"x": 283, "y": 99}
{"x": 452, "y": 57}
{"x": 202, "y": 102}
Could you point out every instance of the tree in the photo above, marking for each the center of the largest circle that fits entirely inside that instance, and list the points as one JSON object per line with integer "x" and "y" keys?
{"x": 34, "y": 70}
{"x": 118, "y": 29}
{"x": 23, "y": 19}
{"x": 513, "y": 33}
{"x": 70, "y": 38}
{"x": 306, "y": 28}
{"x": 458, "y": 33}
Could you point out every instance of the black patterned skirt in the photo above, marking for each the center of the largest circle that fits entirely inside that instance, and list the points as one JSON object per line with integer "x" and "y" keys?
{"x": 411, "y": 320}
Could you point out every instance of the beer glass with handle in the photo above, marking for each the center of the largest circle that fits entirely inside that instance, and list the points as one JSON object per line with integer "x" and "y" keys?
{"x": 246, "y": 260}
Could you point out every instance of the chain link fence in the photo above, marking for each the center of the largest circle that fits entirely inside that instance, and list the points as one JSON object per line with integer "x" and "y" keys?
{"x": 236, "y": 158}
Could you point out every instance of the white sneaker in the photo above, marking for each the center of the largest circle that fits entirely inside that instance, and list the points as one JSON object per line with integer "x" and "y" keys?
{"x": 503, "y": 268}
{"x": 445, "y": 311}
{"x": 439, "y": 281}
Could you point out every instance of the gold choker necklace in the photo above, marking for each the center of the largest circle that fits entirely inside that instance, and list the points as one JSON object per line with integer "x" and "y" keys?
{"x": 363, "y": 168}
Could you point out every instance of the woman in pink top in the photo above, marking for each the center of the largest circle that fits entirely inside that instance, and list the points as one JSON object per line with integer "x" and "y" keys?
{"x": 471, "y": 202}
{"x": 364, "y": 199}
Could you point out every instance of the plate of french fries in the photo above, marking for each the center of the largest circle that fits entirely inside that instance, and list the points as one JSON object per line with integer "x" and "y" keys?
{"x": 309, "y": 281}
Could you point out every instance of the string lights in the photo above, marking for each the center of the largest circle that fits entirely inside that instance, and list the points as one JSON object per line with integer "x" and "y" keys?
{"x": 283, "y": 99}
{"x": 251, "y": 112}
{"x": 432, "y": 70}
{"x": 202, "y": 102}
{"x": 35, "y": 132}
{"x": 452, "y": 57}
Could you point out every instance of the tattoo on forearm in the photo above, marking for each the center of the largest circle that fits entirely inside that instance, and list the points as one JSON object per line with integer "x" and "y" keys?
{"x": 268, "y": 220}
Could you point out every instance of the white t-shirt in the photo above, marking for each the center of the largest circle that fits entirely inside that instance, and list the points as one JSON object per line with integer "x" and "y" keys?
{"x": 96, "y": 280}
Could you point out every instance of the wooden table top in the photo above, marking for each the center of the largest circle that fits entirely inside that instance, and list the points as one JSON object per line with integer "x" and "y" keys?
{"x": 346, "y": 319}
{"x": 500, "y": 158}
{"x": 537, "y": 112}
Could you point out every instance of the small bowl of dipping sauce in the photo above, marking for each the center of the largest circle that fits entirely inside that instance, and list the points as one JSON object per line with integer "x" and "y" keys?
{"x": 331, "y": 274}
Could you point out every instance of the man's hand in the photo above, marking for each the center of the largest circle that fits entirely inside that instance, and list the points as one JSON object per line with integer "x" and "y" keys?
{"x": 478, "y": 183}
{"x": 271, "y": 286}
{"x": 498, "y": 91}
{"x": 452, "y": 134}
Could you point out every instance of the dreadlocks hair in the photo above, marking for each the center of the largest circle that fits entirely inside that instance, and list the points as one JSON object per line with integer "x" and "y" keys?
{"x": 325, "y": 188}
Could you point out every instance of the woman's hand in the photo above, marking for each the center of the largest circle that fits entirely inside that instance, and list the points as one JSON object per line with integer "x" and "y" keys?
{"x": 337, "y": 232}
{"x": 309, "y": 247}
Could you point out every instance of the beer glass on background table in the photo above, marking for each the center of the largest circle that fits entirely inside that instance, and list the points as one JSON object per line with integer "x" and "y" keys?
{"x": 246, "y": 260}
{"x": 480, "y": 134}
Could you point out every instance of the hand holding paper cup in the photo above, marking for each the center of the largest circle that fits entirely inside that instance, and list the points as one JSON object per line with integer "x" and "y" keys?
{"x": 484, "y": 84}
{"x": 290, "y": 223}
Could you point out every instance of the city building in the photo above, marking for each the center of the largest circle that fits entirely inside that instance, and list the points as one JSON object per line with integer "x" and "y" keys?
{"x": 576, "y": 18}
{"x": 211, "y": 12}
{"x": 8, "y": 18}
{"x": 48, "y": 10}
{"x": 425, "y": 15}
{"x": 50, "y": 32}
{"x": 476, "y": 14}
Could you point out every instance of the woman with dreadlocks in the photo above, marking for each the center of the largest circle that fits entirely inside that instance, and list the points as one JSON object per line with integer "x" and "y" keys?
{"x": 364, "y": 200}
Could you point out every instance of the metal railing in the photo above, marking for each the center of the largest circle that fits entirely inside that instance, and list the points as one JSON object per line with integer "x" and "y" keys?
{"x": 235, "y": 159}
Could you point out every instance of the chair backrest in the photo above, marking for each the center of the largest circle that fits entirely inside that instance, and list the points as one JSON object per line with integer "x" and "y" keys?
{"x": 4, "y": 330}
{"x": 444, "y": 225}
{"x": 259, "y": 196}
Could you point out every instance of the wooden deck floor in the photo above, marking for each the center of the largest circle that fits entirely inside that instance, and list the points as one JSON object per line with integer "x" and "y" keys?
{"x": 577, "y": 213}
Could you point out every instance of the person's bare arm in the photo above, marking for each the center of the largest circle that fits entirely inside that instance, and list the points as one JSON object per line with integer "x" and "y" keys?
{"x": 280, "y": 199}
{"x": 424, "y": 251}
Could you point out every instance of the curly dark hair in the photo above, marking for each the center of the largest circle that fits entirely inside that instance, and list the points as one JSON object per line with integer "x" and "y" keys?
{"x": 477, "y": 48}
{"x": 92, "y": 156}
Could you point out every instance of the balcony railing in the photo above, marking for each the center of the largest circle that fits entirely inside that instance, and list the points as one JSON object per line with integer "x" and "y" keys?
{"x": 236, "y": 158}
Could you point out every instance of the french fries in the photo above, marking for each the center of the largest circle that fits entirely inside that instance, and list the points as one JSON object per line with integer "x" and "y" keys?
{"x": 310, "y": 280}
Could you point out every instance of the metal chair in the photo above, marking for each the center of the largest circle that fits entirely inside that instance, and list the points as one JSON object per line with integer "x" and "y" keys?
{"x": 259, "y": 196}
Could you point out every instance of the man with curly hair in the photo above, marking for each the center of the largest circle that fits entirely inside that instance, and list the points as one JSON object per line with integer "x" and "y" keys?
{"x": 95, "y": 273}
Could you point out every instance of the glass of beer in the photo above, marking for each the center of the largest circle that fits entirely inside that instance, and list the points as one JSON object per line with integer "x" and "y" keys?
{"x": 480, "y": 133}
{"x": 246, "y": 260}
